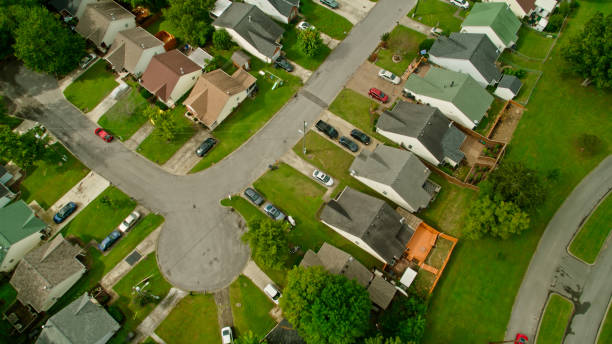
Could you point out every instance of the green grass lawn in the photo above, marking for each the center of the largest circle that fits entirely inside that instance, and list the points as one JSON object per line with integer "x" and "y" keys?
{"x": 325, "y": 20}
{"x": 592, "y": 236}
{"x": 556, "y": 317}
{"x": 158, "y": 149}
{"x": 436, "y": 13}
{"x": 529, "y": 82}
{"x": 91, "y": 87}
{"x": 250, "y": 307}
{"x": 193, "y": 320}
{"x": 251, "y": 115}
{"x": 295, "y": 54}
{"x": 48, "y": 182}
{"x": 532, "y": 43}
{"x": 125, "y": 117}
{"x": 605, "y": 336}
{"x": 402, "y": 41}
{"x": 485, "y": 124}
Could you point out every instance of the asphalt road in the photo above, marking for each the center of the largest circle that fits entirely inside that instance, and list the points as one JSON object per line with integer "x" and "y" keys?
{"x": 199, "y": 248}
{"x": 553, "y": 269}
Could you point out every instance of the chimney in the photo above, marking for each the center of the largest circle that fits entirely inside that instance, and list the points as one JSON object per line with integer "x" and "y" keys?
{"x": 182, "y": 71}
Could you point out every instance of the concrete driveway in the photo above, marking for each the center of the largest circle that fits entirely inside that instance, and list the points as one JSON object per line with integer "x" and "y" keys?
{"x": 344, "y": 129}
{"x": 366, "y": 77}
{"x": 353, "y": 10}
{"x": 185, "y": 158}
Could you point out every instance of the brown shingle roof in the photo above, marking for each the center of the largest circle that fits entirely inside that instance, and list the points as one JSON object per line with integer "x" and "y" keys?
{"x": 97, "y": 17}
{"x": 128, "y": 47}
{"x": 526, "y": 5}
{"x": 164, "y": 71}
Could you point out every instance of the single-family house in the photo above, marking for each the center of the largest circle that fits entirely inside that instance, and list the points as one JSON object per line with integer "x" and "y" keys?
{"x": 470, "y": 53}
{"x": 170, "y": 75}
{"x": 253, "y": 30}
{"x": 216, "y": 94}
{"x": 520, "y": 8}
{"x": 424, "y": 131}
{"x": 369, "y": 223}
{"x": 457, "y": 95}
{"x": 284, "y": 333}
{"x": 494, "y": 19}
{"x": 20, "y": 232}
{"x": 84, "y": 321}
{"x": 102, "y": 21}
{"x": 5, "y": 175}
{"x": 133, "y": 49}
{"x": 47, "y": 272}
{"x": 6, "y": 194}
{"x": 508, "y": 87}
{"x": 397, "y": 174}
{"x": 283, "y": 11}
{"x": 200, "y": 57}
{"x": 74, "y": 8}
{"x": 544, "y": 7}
{"x": 220, "y": 7}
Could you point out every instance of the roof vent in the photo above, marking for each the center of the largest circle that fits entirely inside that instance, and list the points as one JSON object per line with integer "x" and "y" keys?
{"x": 250, "y": 19}
{"x": 112, "y": 15}
{"x": 182, "y": 70}
{"x": 142, "y": 45}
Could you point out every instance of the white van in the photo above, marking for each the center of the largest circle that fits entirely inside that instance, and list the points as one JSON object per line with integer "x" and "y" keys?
{"x": 273, "y": 293}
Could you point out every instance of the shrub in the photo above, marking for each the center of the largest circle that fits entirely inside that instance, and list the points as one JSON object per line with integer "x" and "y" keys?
{"x": 519, "y": 73}
{"x": 116, "y": 313}
{"x": 554, "y": 23}
{"x": 213, "y": 64}
{"x": 373, "y": 57}
{"x": 146, "y": 94}
{"x": 161, "y": 105}
{"x": 222, "y": 40}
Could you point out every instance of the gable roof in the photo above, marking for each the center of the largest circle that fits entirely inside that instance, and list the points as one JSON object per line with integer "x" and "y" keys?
{"x": 18, "y": 221}
{"x": 283, "y": 7}
{"x": 253, "y": 25}
{"x": 200, "y": 57}
{"x": 97, "y": 17}
{"x": 474, "y": 47}
{"x": 526, "y": 5}
{"x": 164, "y": 71}
{"x": 399, "y": 169}
{"x": 83, "y": 321}
{"x": 510, "y": 82}
{"x": 381, "y": 292}
{"x": 128, "y": 48}
{"x": 70, "y": 5}
{"x": 496, "y": 15}
{"x": 44, "y": 268}
{"x": 458, "y": 88}
{"x": 284, "y": 333}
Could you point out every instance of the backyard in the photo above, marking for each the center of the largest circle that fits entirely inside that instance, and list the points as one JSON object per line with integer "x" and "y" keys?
{"x": 91, "y": 87}
{"x": 404, "y": 42}
{"x": 250, "y": 307}
{"x": 592, "y": 236}
{"x": 437, "y": 13}
{"x": 193, "y": 320}
{"x": 325, "y": 20}
{"x": 125, "y": 117}
{"x": 556, "y": 317}
{"x": 533, "y": 43}
{"x": 295, "y": 54}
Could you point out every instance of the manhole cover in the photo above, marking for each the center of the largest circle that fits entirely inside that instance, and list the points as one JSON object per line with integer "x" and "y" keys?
{"x": 133, "y": 258}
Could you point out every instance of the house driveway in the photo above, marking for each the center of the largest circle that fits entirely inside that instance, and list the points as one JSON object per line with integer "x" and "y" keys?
{"x": 301, "y": 72}
{"x": 185, "y": 158}
{"x": 139, "y": 136}
{"x": 344, "y": 129}
{"x": 353, "y": 10}
{"x": 366, "y": 77}
{"x": 292, "y": 159}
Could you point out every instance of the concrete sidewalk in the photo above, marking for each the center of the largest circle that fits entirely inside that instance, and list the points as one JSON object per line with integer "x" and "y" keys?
{"x": 416, "y": 26}
{"x": 185, "y": 158}
{"x": 113, "y": 97}
{"x": 140, "y": 135}
{"x": 152, "y": 321}
{"x": 255, "y": 274}
{"x": 330, "y": 42}
{"x": 301, "y": 72}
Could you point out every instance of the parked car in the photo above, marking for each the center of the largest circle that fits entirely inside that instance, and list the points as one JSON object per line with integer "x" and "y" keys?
{"x": 254, "y": 196}
{"x": 129, "y": 221}
{"x": 282, "y": 62}
{"x": 273, "y": 293}
{"x": 87, "y": 60}
{"x": 460, "y": 3}
{"x": 521, "y": 339}
{"x": 322, "y": 178}
{"x": 348, "y": 143}
{"x": 378, "y": 95}
{"x": 361, "y": 136}
{"x": 390, "y": 77}
{"x": 109, "y": 240}
{"x": 227, "y": 337}
{"x": 64, "y": 212}
{"x": 273, "y": 212}
{"x": 436, "y": 31}
{"x": 104, "y": 135}
{"x": 327, "y": 129}
{"x": 330, "y": 3}
{"x": 304, "y": 26}
{"x": 205, "y": 147}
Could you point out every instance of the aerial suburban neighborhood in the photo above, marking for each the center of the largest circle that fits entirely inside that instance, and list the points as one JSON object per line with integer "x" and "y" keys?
{"x": 305, "y": 171}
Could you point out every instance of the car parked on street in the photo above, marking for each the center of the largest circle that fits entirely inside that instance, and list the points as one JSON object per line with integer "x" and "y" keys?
{"x": 521, "y": 339}
{"x": 109, "y": 240}
{"x": 64, "y": 212}
{"x": 388, "y": 76}
{"x": 283, "y": 63}
{"x": 361, "y": 136}
{"x": 254, "y": 196}
{"x": 87, "y": 60}
{"x": 330, "y": 3}
{"x": 205, "y": 147}
{"x": 129, "y": 221}
{"x": 227, "y": 337}
{"x": 322, "y": 178}
{"x": 273, "y": 212}
{"x": 348, "y": 143}
{"x": 104, "y": 135}
{"x": 273, "y": 293}
{"x": 378, "y": 95}
{"x": 460, "y": 3}
{"x": 327, "y": 129}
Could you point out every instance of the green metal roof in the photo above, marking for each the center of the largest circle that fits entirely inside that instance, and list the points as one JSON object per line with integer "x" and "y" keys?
{"x": 457, "y": 88}
{"x": 498, "y": 16}
{"x": 17, "y": 221}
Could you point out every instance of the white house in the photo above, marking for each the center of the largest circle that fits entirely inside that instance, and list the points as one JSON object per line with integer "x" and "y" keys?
{"x": 20, "y": 232}
{"x": 283, "y": 11}
{"x": 545, "y": 7}
{"x": 133, "y": 49}
{"x": 495, "y": 20}
{"x": 508, "y": 87}
{"x": 102, "y": 21}
{"x": 520, "y": 8}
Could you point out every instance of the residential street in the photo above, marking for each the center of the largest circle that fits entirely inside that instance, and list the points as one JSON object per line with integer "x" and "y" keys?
{"x": 553, "y": 269}
{"x": 199, "y": 247}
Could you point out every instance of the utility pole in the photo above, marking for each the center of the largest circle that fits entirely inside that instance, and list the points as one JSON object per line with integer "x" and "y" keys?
{"x": 304, "y": 140}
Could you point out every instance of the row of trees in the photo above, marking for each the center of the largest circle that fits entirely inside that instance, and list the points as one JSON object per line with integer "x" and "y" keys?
{"x": 25, "y": 149}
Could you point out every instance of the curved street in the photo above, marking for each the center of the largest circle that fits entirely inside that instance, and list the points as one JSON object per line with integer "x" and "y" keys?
{"x": 199, "y": 248}
{"x": 553, "y": 269}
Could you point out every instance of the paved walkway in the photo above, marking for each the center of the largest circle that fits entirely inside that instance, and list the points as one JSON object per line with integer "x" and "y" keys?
{"x": 157, "y": 338}
{"x": 140, "y": 135}
{"x": 152, "y": 321}
{"x": 353, "y": 10}
{"x": 185, "y": 158}
{"x": 301, "y": 72}
{"x": 224, "y": 309}
{"x": 415, "y": 25}
{"x": 109, "y": 101}
{"x": 255, "y": 274}
{"x": 330, "y": 42}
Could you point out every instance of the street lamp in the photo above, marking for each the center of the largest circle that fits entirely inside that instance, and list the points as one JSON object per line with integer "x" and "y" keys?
{"x": 303, "y": 132}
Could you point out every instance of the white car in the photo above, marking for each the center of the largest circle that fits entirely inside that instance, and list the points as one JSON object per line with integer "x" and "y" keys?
{"x": 226, "y": 335}
{"x": 273, "y": 293}
{"x": 390, "y": 77}
{"x": 460, "y": 3}
{"x": 304, "y": 26}
{"x": 436, "y": 31}
{"x": 322, "y": 178}
{"x": 129, "y": 221}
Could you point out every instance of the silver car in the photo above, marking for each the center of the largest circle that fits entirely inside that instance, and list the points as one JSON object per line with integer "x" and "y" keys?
{"x": 129, "y": 221}
{"x": 322, "y": 178}
{"x": 390, "y": 77}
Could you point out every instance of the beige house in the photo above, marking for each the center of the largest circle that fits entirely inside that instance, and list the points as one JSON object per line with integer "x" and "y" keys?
{"x": 133, "y": 49}
{"x": 20, "y": 231}
{"x": 216, "y": 95}
{"x": 102, "y": 21}
{"x": 47, "y": 272}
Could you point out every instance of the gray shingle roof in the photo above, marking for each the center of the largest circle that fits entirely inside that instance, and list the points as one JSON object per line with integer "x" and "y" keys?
{"x": 381, "y": 292}
{"x": 510, "y": 82}
{"x": 339, "y": 262}
{"x": 253, "y": 25}
{"x": 128, "y": 48}
{"x": 283, "y": 333}
{"x": 97, "y": 18}
{"x": 71, "y": 5}
{"x": 284, "y": 6}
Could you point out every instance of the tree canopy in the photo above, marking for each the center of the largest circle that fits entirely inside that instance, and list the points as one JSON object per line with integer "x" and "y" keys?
{"x": 500, "y": 220}
{"x": 381, "y": 340}
{"x": 516, "y": 183}
{"x": 310, "y": 42}
{"x": 24, "y": 149}
{"x": 163, "y": 121}
{"x": 191, "y": 19}
{"x": 269, "y": 243}
{"x": 152, "y": 5}
{"x": 405, "y": 319}
{"x": 222, "y": 39}
{"x": 325, "y": 308}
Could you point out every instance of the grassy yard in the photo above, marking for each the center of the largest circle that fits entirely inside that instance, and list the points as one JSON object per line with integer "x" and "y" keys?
{"x": 125, "y": 117}
{"x": 529, "y": 83}
{"x": 532, "y": 43}
{"x": 485, "y": 125}
{"x": 325, "y": 20}
{"x": 250, "y": 307}
{"x": 193, "y": 320}
{"x": 91, "y": 87}
{"x": 404, "y": 42}
{"x": 605, "y": 336}
{"x": 592, "y": 236}
{"x": 158, "y": 149}
{"x": 556, "y": 317}
{"x": 436, "y": 13}
{"x": 48, "y": 182}
{"x": 251, "y": 115}
{"x": 295, "y": 54}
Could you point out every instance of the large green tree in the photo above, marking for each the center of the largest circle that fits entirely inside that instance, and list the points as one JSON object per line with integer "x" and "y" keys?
{"x": 24, "y": 149}
{"x": 405, "y": 319}
{"x": 325, "y": 308}
{"x": 191, "y": 19}
{"x": 516, "y": 183}
{"x": 500, "y": 220}
{"x": 310, "y": 42}
{"x": 222, "y": 39}
{"x": 163, "y": 121}
{"x": 269, "y": 243}
{"x": 11, "y": 13}
{"x": 152, "y": 5}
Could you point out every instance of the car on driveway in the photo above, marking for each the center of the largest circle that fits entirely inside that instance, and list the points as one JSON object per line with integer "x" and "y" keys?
{"x": 109, "y": 240}
{"x": 327, "y": 129}
{"x": 460, "y": 3}
{"x": 129, "y": 221}
{"x": 273, "y": 293}
{"x": 64, "y": 212}
{"x": 283, "y": 63}
{"x": 436, "y": 31}
{"x": 378, "y": 95}
{"x": 330, "y": 3}
{"x": 390, "y": 77}
{"x": 361, "y": 136}
{"x": 322, "y": 178}
{"x": 205, "y": 147}
{"x": 87, "y": 60}
{"x": 227, "y": 337}
{"x": 304, "y": 26}
{"x": 104, "y": 135}
{"x": 348, "y": 143}
{"x": 273, "y": 212}
{"x": 254, "y": 196}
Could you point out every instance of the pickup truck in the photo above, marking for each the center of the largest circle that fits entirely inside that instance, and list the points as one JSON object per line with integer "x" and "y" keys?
{"x": 327, "y": 129}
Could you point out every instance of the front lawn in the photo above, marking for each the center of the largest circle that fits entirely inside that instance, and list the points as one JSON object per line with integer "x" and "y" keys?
{"x": 325, "y": 20}
{"x": 193, "y": 320}
{"x": 250, "y": 308}
{"x": 404, "y": 42}
{"x": 532, "y": 43}
{"x": 605, "y": 336}
{"x": 125, "y": 117}
{"x": 437, "y": 13}
{"x": 48, "y": 182}
{"x": 91, "y": 87}
{"x": 295, "y": 54}
{"x": 592, "y": 236}
{"x": 556, "y": 317}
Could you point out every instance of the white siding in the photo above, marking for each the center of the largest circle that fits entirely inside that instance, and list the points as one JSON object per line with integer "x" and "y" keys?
{"x": 60, "y": 289}
{"x": 145, "y": 58}
{"x": 447, "y": 108}
{"x": 268, "y": 9}
{"x": 504, "y": 93}
{"x": 463, "y": 66}
{"x": 357, "y": 241}
{"x": 18, "y": 250}
{"x": 247, "y": 46}
{"x": 386, "y": 191}
{"x": 183, "y": 85}
{"x": 411, "y": 144}
{"x": 514, "y": 6}
{"x": 487, "y": 30}
{"x": 230, "y": 105}
{"x": 115, "y": 26}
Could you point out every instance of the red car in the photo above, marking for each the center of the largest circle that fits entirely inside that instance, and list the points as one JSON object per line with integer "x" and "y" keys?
{"x": 378, "y": 95}
{"x": 104, "y": 134}
{"x": 520, "y": 339}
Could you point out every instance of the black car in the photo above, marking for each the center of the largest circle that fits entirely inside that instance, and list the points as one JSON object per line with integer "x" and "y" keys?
{"x": 327, "y": 129}
{"x": 348, "y": 143}
{"x": 205, "y": 147}
{"x": 282, "y": 62}
{"x": 360, "y": 136}
{"x": 254, "y": 196}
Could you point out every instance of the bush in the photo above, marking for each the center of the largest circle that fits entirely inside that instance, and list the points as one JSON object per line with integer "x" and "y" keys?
{"x": 144, "y": 93}
{"x": 426, "y": 44}
{"x": 373, "y": 57}
{"x": 213, "y": 64}
{"x": 554, "y": 23}
{"x": 590, "y": 145}
{"x": 116, "y": 313}
{"x": 161, "y": 105}
{"x": 519, "y": 73}
{"x": 222, "y": 40}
